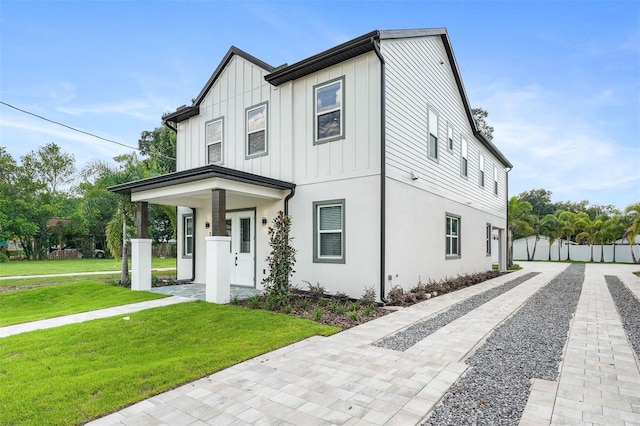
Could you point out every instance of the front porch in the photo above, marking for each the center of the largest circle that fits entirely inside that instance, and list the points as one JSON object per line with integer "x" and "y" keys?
{"x": 198, "y": 291}
{"x": 217, "y": 232}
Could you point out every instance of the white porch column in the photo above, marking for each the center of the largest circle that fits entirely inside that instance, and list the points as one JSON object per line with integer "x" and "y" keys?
{"x": 140, "y": 264}
{"x": 217, "y": 258}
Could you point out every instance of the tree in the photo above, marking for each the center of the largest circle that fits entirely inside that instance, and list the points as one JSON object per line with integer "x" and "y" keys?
{"x": 612, "y": 229}
{"x": 159, "y": 145}
{"x": 590, "y": 230}
{"x": 517, "y": 214}
{"x": 480, "y": 117}
{"x": 51, "y": 167}
{"x": 552, "y": 227}
{"x": 280, "y": 263}
{"x": 540, "y": 200}
{"x": 633, "y": 212}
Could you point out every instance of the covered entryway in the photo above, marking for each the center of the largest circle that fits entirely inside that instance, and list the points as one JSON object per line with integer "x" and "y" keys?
{"x": 220, "y": 205}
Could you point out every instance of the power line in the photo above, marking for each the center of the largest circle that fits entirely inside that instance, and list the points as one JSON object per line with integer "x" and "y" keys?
{"x": 82, "y": 131}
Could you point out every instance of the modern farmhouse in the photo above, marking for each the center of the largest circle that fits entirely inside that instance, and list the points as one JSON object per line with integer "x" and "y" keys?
{"x": 369, "y": 146}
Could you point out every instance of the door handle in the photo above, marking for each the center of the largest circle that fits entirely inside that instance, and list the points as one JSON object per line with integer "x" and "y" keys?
{"x": 236, "y": 259}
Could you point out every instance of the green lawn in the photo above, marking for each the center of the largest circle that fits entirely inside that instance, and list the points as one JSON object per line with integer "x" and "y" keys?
{"x": 48, "y": 302}
{"x": 41, "y": 267}
{"x": 72, "y": 374}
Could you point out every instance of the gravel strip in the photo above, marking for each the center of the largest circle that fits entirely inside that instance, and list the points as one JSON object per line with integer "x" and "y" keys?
{"x": 528, "y": 345}
{"x": 408, "y": 337}
{"x": 628, "y": 308}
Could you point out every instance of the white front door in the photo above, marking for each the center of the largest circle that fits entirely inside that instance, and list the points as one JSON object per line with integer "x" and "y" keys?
{"x": 241, "y": 229}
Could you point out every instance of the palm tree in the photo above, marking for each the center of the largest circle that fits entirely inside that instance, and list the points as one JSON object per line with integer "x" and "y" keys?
{"x": 612, "y": 229}
{"x": 552, "y": 227}
{"x": 517, "y": 213}
{"x": 633, "y": 211}
{"x": 590, "y": 231}
{"x": 572, "y": 225}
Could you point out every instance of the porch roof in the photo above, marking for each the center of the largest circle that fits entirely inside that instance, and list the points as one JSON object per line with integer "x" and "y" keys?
{"x": 193, "y": 186}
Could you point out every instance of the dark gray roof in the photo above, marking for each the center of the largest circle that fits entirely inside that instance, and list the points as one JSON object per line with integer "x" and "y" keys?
{"x": 350, "y": 49}
{"x": 199, "y": 173}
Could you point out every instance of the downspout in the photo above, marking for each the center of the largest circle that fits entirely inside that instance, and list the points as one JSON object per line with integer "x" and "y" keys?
{"x": 286, "y": 200}
{"x": 383, "y": 133}
{"x": 193, "y": 252}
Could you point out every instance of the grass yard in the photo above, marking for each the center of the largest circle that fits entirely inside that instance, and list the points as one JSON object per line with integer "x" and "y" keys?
{"x": 48, "y": 302}
{"x": 42, "y": 267}
{"x": 72, "y": 374}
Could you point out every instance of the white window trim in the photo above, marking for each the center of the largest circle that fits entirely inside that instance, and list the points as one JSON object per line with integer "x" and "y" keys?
{"x": 264, "y": 105}
{"x": 450, "y": 136}
{"x": 185, "y": 219}
{"x": 495, "y": 181}
{"x": 316, "y": 114}
{"x": 464, "y": 157}
{"x": 481, "y": 179}
{"x": 221, "y": 141}
{"x": 432, "y": 116}
{"x": 449, "y": 236}
{"x": 317, "y": 258}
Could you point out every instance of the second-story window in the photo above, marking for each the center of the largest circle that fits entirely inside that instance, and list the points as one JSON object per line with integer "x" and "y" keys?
{"x": 495, "y": 180}
{"x": 257, "y": 130}
{"x": 213, "y": 137}
{"x": 433, "y": 134}
{"x": 464, "y": 159}
{"x": 450, "y": 137}
{"x": 328, "y": 111}
{"x": 482, "y": 170}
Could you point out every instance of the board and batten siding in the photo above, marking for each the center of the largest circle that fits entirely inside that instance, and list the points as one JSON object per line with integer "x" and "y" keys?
{"x": 416, "y": 80}
{"x": 241, "y": 85}
{"x": 358, "y": 153}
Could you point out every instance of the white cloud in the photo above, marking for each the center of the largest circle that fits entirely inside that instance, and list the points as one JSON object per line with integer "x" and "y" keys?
{"x": 554, "y": 145}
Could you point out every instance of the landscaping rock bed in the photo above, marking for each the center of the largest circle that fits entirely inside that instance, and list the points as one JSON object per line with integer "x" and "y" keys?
{"x": 628, "y": 308}
{"x": 528, "y": 345}
{"x": 405, "y": 339}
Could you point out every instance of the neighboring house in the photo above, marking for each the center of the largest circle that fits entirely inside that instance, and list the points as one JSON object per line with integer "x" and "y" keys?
{"x": 370, "y": 147}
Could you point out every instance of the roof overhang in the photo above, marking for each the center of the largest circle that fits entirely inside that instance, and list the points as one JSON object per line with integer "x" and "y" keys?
{"x": 193, "y": 187}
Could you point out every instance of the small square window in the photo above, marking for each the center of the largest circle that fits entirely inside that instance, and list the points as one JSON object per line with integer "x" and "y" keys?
{"x": 257, "y": 130}
{"x": 328, "y": 111}
{"x": 329, "y": 235}
{"x": 213, "y": 137}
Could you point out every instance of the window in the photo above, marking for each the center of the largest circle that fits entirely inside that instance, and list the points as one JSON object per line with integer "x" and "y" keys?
{"x": 450, "y": 136}
{"x": 213, "y": 137}
{"x": 489, "y": 238}
{"x": 187, "y": 246}
{"x": 482, "y": 170}
{"x": 464, "y": 162}
{"x": 328, "y": 111}
{"x": 433, "y": 134}
{"x": 257, "y": 130}
{"x": 495, "y": 180}
{"x": 329, "y": 235}
{"x": 453, "y": 236}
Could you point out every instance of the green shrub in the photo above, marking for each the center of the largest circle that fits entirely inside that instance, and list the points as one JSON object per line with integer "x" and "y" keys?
{"x": 317, "y": 314}
{"x": 280, "y": 263}
{"x": 3, "y": 256}
{"x": 368, "y": 297}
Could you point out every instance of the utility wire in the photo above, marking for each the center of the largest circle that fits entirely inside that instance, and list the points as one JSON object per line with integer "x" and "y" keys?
{"x": 82, "y": 131}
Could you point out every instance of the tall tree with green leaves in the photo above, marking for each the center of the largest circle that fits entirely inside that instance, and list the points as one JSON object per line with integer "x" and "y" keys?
{"x": 552, "y": 228}
{"x": 517, "y": 215}
{"x": 480, "y": 117}
{"x": 590, "y": 231}
{"x": 633, "y": 212}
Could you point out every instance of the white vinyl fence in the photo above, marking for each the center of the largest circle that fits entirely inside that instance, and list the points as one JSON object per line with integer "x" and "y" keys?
{"x": 578, "y": 252}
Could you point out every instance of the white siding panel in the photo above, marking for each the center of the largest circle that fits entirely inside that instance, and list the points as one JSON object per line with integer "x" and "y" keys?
{"x": 415, "y": 79}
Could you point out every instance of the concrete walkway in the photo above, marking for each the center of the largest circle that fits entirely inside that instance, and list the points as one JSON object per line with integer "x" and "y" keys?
{"x": 345, "y": 380}
{"x": 19, "y": 277}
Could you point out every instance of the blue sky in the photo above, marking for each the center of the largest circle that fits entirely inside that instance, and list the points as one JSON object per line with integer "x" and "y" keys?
{"x": 560, "y": 79}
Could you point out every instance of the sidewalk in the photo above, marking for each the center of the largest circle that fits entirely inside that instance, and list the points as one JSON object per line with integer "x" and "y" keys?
{"x": 18, "y": 277}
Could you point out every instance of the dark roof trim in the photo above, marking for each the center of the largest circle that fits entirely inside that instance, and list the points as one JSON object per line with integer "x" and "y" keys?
{"x": 187, "y": 112}
{"x": 200, "y": 173}
{"x": 182, "y": 114}
{"x": 325, "y": 59}
{"x": 227, "y": 58}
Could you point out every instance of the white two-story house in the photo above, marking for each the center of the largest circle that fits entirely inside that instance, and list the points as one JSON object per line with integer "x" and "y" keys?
{"x": 369, "y": 146}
